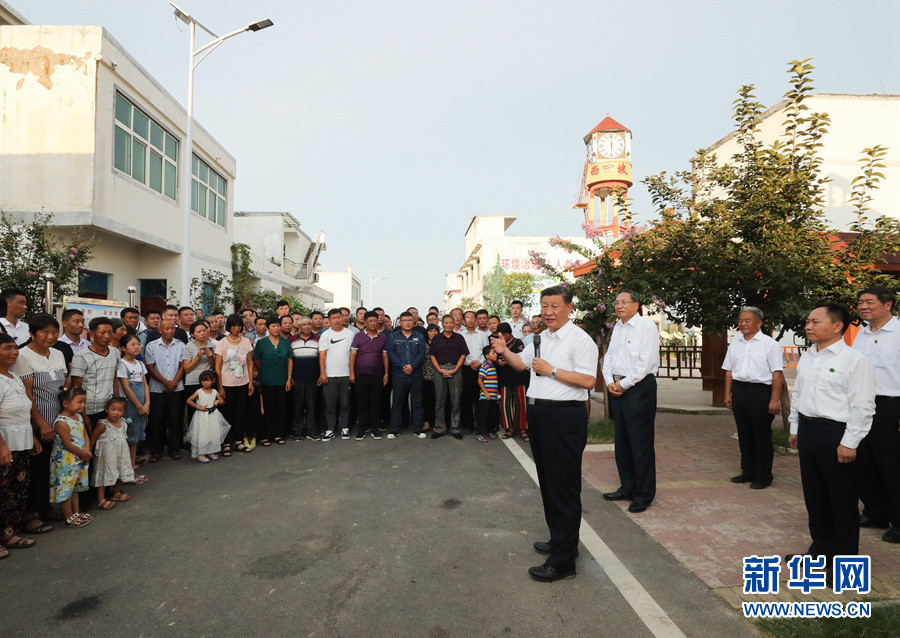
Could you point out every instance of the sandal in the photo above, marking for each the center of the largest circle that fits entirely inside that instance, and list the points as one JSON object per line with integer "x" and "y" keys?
{"x": 507, "y": 434}
{"x": 106, "y": 505}
{"x": 139, "y": 479}
{"x": 176, "y": 456}
{"x": 141, "y": 461}
{"x": 77, "y": 520}
{"x": 3, "y": 553}
{"x": 279, "y": 440}
{"x": 245, "y": 449}
{"x": 119, "y": 497}
{"x": 17, "y": 542}
{"x": 153, "y": 458}
{"x": 226, "y": 449}
{"x": 525, "y": 436}
{"x": 213, "y": 457}
{"x": 265, "y": 443}
{"x": 202, "y": 459}
{"x": 481, "y": 438}
{"x": 43, "y": 528}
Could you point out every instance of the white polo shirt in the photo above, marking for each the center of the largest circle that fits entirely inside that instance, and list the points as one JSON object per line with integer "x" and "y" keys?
{"x": 633, "y": 351}
{"x": 754, "y": 360}
{"x": 19, "y": 332}
{"x": 568, "y": 348}
{"x": 836, "y": 383}
{"x": 882, "y": 348}
{"x": 517, "y": 326}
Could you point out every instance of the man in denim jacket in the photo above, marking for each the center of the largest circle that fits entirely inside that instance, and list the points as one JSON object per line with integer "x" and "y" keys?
{"x": 406, "y": 351}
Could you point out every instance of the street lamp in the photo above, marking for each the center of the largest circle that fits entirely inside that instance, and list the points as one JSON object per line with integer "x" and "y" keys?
{"x": 206, "y": 49}
{"x": 372, "y": 280}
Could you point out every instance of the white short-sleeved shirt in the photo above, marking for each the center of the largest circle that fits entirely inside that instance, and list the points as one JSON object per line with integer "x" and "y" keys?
{"x": 132, "y": 371}
{"x": 633, "y": 351}
{"x": 882, "y": 348}
{"x": 15, "y": 414}
{"x": 337, "y": 345}
{"x": 754, "y": 360}
{"x": 517, "y": 326}
{"x": 97, "y": 372}
{"x": 19, "y": 332}
{"x": 568, "y": 348}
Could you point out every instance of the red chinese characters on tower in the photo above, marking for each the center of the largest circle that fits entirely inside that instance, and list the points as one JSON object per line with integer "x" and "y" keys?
{"x": 622, "y": 170}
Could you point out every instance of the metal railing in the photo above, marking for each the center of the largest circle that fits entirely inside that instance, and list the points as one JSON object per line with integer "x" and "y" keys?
{"x": 679, "y": 362}
{"x": 293, "y": 269}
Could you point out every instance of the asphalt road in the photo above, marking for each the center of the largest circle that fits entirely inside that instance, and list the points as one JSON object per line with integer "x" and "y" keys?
{"x": 346, "y": 538}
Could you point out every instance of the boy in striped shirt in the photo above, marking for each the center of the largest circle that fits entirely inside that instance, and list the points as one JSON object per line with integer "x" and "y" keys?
{"x": 487, "y": 422}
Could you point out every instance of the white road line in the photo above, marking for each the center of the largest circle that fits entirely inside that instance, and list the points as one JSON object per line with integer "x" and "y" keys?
{"x": 643, "y": 604}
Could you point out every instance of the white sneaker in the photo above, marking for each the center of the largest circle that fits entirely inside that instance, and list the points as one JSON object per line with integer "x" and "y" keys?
{"x": 329, "y": 434}
{"x": 421, "y": 435}
{"x": 345, "y": 434}
{"x": 392, "y": 436}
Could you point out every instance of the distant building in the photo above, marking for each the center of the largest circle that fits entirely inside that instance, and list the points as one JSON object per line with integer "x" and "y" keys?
{"x": 487, "y": 242}
{"x": 284, "y": 257}
{"x": 88, "y": 135}
{"x": 344, "y": 285}
{"x": 857, "y": 122}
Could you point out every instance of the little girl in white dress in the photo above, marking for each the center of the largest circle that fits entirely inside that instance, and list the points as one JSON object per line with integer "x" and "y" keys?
{"x": 208, "y": 427}
{"x": 112, "y": 458}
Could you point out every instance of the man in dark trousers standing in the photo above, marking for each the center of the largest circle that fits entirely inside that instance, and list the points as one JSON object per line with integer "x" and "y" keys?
{"x": 628, "y": 369}
{"x": 832, "y": 403}
{"x": 753, "y": 379}
{"x": 878, "y": 454}
{"x": 563, "y": 371}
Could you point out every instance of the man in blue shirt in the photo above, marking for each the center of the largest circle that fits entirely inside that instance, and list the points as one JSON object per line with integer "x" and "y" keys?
{"x": 406, "y": 351}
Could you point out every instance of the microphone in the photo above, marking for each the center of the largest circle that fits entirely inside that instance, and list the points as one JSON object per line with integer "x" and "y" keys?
{"x": 537, "y": 349}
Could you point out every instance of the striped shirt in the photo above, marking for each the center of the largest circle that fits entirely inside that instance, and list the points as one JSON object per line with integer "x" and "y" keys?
{"x": 97, "y": 373}
{"x": 488, "y": 375}
{"x": 49, "y": 374}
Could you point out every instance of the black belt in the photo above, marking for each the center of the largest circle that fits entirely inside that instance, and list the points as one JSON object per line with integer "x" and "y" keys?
{"x": 817, "y": 420}
{"x": 751, "y": 384}
{"x": 555, "y": 404}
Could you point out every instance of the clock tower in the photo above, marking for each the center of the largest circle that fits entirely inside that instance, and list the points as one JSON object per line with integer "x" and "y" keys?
{"x": 607, "y": 170}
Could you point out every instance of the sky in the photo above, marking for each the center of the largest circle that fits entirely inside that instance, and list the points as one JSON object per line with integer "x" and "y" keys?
{"x": 389, "y": 124}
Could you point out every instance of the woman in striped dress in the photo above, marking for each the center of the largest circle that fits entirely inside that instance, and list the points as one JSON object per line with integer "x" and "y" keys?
{"x": 42, "y": 369}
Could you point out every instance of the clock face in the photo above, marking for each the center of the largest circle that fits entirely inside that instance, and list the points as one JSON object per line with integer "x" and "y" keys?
{"x": 611, "y": 145}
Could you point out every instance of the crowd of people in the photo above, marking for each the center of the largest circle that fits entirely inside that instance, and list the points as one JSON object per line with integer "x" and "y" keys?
{"x": 86, "y": 408}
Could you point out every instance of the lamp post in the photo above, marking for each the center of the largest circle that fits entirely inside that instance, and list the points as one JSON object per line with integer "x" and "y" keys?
{"x": 48, "y": 292}
{"x": 132, "y": 291}
{"x": 188, "y": 153}
{"x": 372, "y": 280}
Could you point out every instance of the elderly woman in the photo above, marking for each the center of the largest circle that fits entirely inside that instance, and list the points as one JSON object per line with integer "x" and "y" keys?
{"x": 42, "y": 369}
{"x": 17, "y": 442}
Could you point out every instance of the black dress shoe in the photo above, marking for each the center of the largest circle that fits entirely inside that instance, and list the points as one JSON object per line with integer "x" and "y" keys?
{"x": 759, "y": 485}
{"x": 542, "y": 548}
{"x": 638, "y": 506}
{"x": 867, "y": 521}
{"x": 437, "y": 435}
{"x": 741, "y": 478}
{"x": 548, "y": 573}
{"x": 457, "y": 436}
{"x": 618, "y": 495}
{"x": 892, "y": 535}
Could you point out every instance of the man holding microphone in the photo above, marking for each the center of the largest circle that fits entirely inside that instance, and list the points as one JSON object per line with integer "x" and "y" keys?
{"x": 563, "y": 371}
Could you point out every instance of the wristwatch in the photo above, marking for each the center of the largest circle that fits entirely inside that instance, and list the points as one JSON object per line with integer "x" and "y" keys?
{"x": 553, "y": 374}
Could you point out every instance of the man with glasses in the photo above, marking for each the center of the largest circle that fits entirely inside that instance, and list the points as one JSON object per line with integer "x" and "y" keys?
{"x": 878, "y": 454}
{"x": 628, "y": 369}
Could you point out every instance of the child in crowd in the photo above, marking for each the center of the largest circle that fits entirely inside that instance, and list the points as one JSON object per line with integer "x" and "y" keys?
{"x": 132, "y": 375}
{"x": 70, "y": 456}
{"x": 487, "y": 422}
{"x": 112, "y": 461}
{"x": 208, "y": 428}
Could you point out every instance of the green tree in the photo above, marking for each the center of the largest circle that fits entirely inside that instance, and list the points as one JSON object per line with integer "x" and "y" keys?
{"x": 241, "y": 276}
{"x": 501, "y": 288}
{"x": 29, "y": 250}
{"x": 212, "y": 291}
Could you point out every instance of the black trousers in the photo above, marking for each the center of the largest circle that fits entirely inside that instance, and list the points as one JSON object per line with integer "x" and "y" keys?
{"x": 39, "y": 484}
{"x": 829, "y": 489}
{"x": 634, "y": 414}
{"x": 878, "y": 458}
{"x": 234, "y": 410}
{"x": 304, "y": 414}
{"x": 750, "y": 406}
{"x": 166, "y": 422}
{"x": 368, "y": 401}
{"x": 274, "y": 422}
{"x": 558, "y": 437}
{"x": 488, "y": 417}
{"x": 468, "y": 398}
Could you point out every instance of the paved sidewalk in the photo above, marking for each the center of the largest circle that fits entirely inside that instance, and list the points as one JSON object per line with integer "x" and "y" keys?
{"x": 710, "y": 524}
